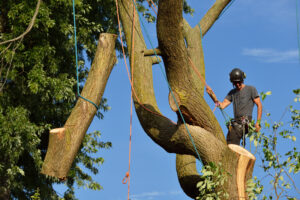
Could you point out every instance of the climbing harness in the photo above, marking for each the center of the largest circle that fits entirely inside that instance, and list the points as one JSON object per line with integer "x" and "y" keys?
{"x": 76, "y": 58}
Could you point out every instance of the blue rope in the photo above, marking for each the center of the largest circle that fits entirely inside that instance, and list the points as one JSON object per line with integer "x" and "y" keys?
{"x": 77, "y": 74}
{"x": 164, "y": 75}
{"x": 226, "y": 8}
{"x": 297, "y": 19}
{"x": 200, "y": 31}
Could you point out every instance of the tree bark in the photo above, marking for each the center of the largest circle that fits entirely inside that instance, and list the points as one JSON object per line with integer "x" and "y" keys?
{"x": 179, "y": 43}
{"x": 64, "y": 143}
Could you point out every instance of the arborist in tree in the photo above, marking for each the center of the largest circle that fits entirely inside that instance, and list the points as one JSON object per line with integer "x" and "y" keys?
{"x": 243, "y": 97}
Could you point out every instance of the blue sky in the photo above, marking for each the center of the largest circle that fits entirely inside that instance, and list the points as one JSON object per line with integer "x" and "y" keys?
{"x": 260, "y": 37}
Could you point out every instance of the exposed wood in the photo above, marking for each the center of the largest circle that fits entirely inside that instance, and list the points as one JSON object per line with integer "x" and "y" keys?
{"x": 244, "y": 168}
{"x": 64, "y": 142}
{"x": 172, "y": 103}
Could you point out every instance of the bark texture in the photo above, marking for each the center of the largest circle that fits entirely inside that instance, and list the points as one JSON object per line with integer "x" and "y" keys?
{"x": 64, "y": 143}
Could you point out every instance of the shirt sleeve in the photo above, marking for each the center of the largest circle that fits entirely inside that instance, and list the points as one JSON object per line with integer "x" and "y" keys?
{"x": 229, "y": 96}
{"x": 254, "y": 93}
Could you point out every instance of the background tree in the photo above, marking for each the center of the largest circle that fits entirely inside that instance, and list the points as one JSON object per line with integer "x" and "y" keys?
{"x": 37, "y": 90}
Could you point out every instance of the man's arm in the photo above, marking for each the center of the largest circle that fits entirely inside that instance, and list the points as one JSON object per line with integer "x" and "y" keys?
{"x": 259, "y": 113}
{"x": 221, "y": 105}
{"x": 224, "y": 104}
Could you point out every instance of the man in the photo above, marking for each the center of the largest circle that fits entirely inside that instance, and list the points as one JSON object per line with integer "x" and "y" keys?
{"x": 243, "y": 97}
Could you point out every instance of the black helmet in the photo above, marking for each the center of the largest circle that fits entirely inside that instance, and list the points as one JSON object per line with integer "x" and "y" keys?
{"x": 237, "y": 75}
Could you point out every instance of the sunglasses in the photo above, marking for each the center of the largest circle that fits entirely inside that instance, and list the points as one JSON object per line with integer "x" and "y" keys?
{"x": 238, "y": 82}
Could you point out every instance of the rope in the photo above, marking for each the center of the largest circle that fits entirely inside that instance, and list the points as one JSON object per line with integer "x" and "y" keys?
{"x": 127, "y": 69}
{"x": 226, "y": 8}
{"x": 76, "y": 57}
{"x": 126, "y": 179}
{"x": 298, "y": 32}
{"x": 161, "y": 68}
{"x": 153, "y": 8}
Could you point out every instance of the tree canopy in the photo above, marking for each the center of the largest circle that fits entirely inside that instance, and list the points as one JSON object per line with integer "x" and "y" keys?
{"x": 38, "y": 89}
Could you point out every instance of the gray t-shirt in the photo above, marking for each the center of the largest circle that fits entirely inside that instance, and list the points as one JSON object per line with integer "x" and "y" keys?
{"x": 242, "y": 100}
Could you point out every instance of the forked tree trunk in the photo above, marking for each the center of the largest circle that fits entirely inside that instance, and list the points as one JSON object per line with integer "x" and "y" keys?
{"x": 202, "y": 124}
{"x": 64, "y": 142}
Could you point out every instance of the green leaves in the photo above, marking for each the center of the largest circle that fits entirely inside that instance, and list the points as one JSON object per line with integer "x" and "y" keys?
{"x": 254, "y": 188}
{"x": 40, "y": 89}
{"x": 263, "y": 95}
{"x": 211, "y": 186}
{"x": 280, "y": 157}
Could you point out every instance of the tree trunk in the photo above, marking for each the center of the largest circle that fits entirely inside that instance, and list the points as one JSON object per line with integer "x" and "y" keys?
{"x": 177, "y": 44}
{"x": 64, "y": 142}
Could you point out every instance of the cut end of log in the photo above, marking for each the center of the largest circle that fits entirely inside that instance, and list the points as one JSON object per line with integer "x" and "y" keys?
{"x": 245, "y": 166}
{"x": 240, "y": 150}
{"x": 57, "y": 130}
{"x": 172, "y": 102}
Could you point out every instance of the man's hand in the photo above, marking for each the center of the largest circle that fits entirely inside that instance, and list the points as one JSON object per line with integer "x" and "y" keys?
{"x": 218, "y": 103}
{"x": 209, "y": 90}
{"x": 257, "y": 127}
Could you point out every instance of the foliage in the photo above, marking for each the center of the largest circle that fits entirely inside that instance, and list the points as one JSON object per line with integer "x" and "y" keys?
{"x": 211, "y": 186}
{"x": 254, "y": 188}
{"x": 279, "y": 163}
{"x": 37, "y": 89}
{"x": 148, "y": 13}
{"x": 36, "y": 195}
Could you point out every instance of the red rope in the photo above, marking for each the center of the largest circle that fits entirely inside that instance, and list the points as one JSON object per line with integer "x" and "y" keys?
{"x": 153, "y": 8}
{"x": 131, "y": 83}
{"x": 126, "y": 179}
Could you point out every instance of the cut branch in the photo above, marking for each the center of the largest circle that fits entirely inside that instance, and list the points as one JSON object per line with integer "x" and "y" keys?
{"x": 151, "y": 52}
{"x": 65, "y": 142}
{"x": 29, "y": 26}
{"x": 155, "y": 60}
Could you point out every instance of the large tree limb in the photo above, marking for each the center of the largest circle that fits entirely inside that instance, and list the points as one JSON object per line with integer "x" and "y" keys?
{"x": 173, "y": 138}
{"x": 64, "y": 143}
{"x": 170, "y": 34}
{"x": 212, "y": 15}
